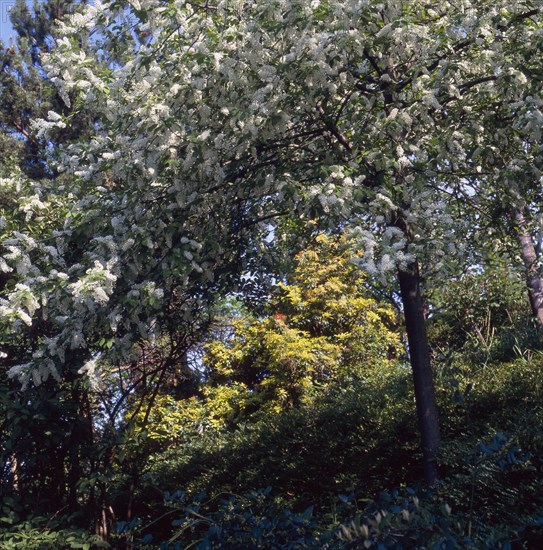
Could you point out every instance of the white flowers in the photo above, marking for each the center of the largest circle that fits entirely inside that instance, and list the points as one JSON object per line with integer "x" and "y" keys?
{"x": 43, "y": 127}
{"x": 90, "y": 369}
{"x": 53, "y": 117}
{"x": 97, "y": 284}
{"x": 200, "y": 135}
{"x": 430, "y": 100}
{"x": 383, "y": 254}
{"x": 32, "y": 206}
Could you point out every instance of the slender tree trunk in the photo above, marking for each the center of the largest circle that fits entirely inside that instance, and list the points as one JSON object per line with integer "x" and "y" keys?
{"x": 75, "y": 444}
{"x": 419, "y": 353}
{"x": 104, "y": 516}
{"x": 530, "y": 259}
{"x": 131, "y": 494}
{"x": 14, "y": 468}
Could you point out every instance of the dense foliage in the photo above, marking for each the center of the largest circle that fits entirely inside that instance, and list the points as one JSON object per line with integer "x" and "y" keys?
{"x": 270, "y": 274}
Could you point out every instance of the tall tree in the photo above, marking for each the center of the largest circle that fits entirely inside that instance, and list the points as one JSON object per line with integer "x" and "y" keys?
{"x": 25, "y": 91}
{"x": 47, "y": 468}
{"x": 234, "y": 114}
{"x": 531, "y": 259}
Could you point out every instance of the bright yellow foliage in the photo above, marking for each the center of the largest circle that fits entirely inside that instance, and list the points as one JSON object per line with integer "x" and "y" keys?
{"x": 323, "y": 324}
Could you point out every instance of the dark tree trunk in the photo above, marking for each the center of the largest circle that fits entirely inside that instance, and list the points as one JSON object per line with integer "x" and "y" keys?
{"x": 131, "y": 493}
{"x": 419, "y": 353}
{"x": 103, "y": 513}
{"x": 14, "y": 469}
{"x": 74, "y": 466}
{"x": 530, "y": 259}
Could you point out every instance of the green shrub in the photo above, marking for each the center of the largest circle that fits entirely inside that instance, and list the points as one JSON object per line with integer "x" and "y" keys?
{"x": 399, "y": 520}
{"x": 41, "y": 534}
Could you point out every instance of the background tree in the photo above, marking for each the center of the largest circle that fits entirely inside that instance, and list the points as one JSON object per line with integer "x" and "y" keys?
{"x": 322, "y": 323}
{"x": 27, "y": 93}
{"x": 48, "y": 435}
{"x": 211, "y": 124}
{"x": 363, "y": 135}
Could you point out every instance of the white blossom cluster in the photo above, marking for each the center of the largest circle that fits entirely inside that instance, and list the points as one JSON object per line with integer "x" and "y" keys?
{"x": 215, "y": 117}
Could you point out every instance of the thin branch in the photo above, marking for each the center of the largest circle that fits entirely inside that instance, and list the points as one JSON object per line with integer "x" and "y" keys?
{"x": 334, "y": 130}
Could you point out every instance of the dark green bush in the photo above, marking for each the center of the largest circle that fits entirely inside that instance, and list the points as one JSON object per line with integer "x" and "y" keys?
{"x": 399, "y": 520}
{"x": 45, "y": 534}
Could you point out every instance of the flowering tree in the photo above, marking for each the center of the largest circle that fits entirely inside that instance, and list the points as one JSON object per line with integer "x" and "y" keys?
{"x": 48, "y": 443}
{"x": 216, "y": 118}
{"x": 27, "y": 94}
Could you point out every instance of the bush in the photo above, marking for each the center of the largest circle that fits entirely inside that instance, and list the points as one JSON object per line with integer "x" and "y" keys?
{"x": 42, "y": 534}
{"x": 399, "y": 520}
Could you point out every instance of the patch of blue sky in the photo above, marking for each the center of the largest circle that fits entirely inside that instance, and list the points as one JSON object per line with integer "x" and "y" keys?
{"x": 6, "y": 30}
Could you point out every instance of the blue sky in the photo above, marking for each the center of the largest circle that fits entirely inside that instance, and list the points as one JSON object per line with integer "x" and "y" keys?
{"x": 5, "y": 26}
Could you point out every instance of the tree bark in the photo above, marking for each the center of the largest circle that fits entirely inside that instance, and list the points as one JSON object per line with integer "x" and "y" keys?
{"x": 530, "y": 259}
{"x": 14, "y": 469}
{"x": 419, "y": 353}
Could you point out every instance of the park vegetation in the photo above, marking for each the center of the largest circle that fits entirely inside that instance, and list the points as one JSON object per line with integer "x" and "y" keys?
{"x": 270, "y": 275}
